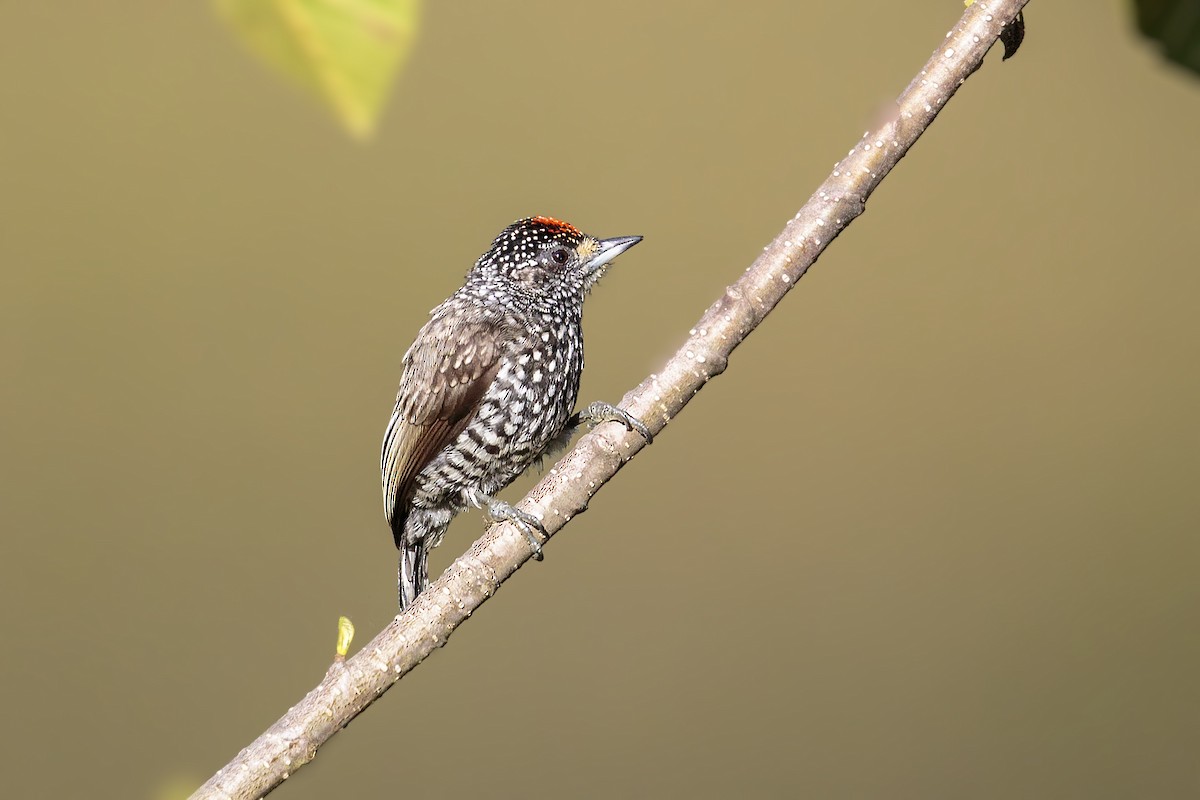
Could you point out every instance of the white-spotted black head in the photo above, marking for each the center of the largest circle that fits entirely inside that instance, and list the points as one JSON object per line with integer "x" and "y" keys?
{"x": 545, "y": 259}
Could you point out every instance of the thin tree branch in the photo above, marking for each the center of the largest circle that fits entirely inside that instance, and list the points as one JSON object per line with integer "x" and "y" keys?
{"x": 352, "y": 685}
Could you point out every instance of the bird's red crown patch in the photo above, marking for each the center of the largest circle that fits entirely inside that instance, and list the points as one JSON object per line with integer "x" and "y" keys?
{"x": 557, "y": 225}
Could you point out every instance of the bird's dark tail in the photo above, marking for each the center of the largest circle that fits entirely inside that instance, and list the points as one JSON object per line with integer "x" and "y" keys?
{"x": 413, "y": 573}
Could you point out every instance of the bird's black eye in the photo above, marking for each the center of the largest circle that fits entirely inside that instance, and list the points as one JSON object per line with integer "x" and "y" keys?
{"x": 559, "y": 255}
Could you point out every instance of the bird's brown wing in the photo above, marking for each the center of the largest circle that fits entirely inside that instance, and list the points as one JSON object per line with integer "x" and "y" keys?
{"x": 446, "y": 372}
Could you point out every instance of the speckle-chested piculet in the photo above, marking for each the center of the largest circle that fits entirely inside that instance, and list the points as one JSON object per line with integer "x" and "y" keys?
{"x": 489, "y": 387}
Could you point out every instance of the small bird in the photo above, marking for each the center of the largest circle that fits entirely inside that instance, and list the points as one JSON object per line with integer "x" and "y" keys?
{"x": 489, "y": 387}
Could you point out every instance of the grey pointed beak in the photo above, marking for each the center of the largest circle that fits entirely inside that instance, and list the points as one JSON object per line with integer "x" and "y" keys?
{"x": 610, "y": 249}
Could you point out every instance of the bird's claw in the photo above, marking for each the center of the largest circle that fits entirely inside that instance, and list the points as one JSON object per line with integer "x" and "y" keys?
{"x": 600, "y": 411}
{"x": 526, "y": 522}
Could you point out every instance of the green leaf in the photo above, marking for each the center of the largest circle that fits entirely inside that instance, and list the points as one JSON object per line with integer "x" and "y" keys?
{"x": 347, "y": 52}
{"x": 1175, "y": 24}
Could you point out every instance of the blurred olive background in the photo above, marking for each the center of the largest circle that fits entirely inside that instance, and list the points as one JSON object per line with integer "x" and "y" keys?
{"x": 932, "y": 535}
